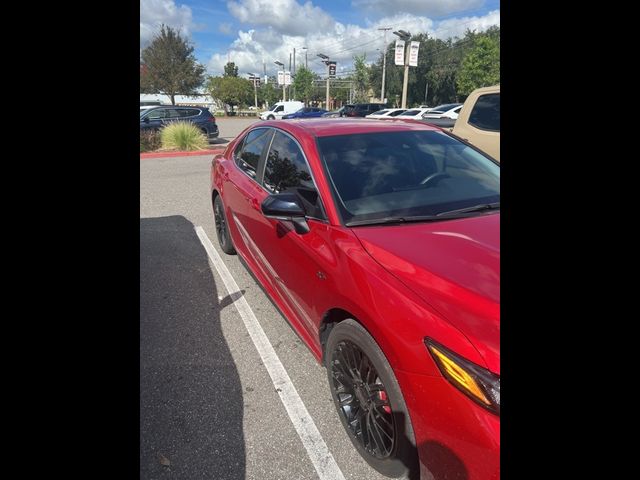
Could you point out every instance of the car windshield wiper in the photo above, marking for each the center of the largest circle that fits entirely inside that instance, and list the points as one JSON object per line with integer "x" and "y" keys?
{"x": 475, "y": 208}
{"x": 451, "y": 214}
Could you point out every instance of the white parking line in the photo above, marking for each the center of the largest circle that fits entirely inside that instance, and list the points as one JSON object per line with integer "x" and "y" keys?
{"x": 317, "y": 449}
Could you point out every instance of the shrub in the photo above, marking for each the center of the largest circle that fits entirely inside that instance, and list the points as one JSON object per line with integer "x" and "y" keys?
{"x": 183, "y": 136}
{"x": 149, "y": 140}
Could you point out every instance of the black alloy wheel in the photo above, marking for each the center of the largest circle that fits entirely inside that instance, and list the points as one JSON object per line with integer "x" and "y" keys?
{"x": 222, "y": 229}
{"x": 369, "y": 401}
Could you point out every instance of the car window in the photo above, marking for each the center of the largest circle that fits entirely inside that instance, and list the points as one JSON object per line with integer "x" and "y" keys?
{"x": 486, "y": 113}
{"x": 248, "y": 157}
{"x": 172, "y": 113}
{"x": 286, "y": 170}
{"x": 157, "y": 114}
{"x": 189, "y": 112}
{"x": 396, "y": 174}
{"x": 396, "y": 113}
{"x": 410, "y": 113}
{"x": 457, "y": 110}
{"x": 279, "y": 109}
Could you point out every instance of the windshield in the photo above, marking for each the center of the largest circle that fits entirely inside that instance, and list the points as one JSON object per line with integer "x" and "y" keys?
{"x": 385, "y": 175}
{"x": 445, "y": 107}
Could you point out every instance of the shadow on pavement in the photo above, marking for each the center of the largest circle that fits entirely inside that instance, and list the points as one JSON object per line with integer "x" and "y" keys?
{"x": 191, "y": 404}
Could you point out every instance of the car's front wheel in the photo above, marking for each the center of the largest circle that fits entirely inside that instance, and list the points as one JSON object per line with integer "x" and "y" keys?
{"x": 369, "y": 401}
{"x": 222, "y": 227}
{"x": 271, "y": 117}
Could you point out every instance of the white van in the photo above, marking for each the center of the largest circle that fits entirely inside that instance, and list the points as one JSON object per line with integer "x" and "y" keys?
{"x": 281, "y": 108}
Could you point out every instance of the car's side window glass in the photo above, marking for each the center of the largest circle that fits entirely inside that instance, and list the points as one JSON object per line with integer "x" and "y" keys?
{"x": 157, "y": 114}
{"x": 279, "y": 108}
{"x": 172, "y": 113}
{"x": 286, "y": 170}
{"x": 486, "y": 113}
{"x": 189, "y": 112}
{"x": 248, "y": 157}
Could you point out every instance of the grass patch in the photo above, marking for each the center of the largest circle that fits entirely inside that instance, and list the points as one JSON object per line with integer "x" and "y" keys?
{"x": 183, "y": 136}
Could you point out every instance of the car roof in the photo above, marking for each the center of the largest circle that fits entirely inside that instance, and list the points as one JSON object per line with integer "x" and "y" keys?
{"x": 326, "y": 127}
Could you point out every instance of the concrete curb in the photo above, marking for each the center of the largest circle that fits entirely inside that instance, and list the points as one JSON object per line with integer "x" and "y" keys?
{"x": 180, "y": 154}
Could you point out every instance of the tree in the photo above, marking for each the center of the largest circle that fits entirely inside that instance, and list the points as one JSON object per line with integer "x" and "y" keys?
{"x": 481, "y": 65}
{"x": 269, "y": 94}
{"x": 170, "y": 66}
{"x": 231, "y": 90}
{"x": 303, "y": 84}
{"x": 361, "y": 79}
{"x": 230, "y": 70}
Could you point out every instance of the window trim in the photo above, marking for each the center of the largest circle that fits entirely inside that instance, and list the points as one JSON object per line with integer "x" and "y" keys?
{"x": 259, "y": 171}
{"x": 313, "y": 179}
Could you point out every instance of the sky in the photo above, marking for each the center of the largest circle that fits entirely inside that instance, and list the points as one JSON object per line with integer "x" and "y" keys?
{"x": 257, "y": 33}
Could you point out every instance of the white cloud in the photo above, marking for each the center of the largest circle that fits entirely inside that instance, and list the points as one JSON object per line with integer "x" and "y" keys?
{"x": 455, "y": 27}
{"x": 417, "y": 7}
{"x": 340, "y": 42}
{"x": 285, "y": 16}
{"x": 153, "y": 13}
{"x": 225, "y": 28}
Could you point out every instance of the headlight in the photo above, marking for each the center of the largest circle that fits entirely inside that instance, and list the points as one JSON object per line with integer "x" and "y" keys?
{"x": 474, "y": 381}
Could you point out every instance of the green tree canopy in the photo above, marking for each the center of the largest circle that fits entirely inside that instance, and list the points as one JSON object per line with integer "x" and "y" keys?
{"x": 361, "y": 79}
{"x": 303, "y": 84}
{"x": 170, "y": 67}
{"x": 269, "y": 92}
{"x": 480, "y": 66}
{"x": 230, "y": 70}
{"x": 231, "y": 90}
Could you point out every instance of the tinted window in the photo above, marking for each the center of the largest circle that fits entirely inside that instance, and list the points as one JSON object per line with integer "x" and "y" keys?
{"x": 410, "y": 113}
{"x": 395, "y": 174}
{"x": 157, "y": 113}
{"x": 189, "y": 112}
{"x": 280, "y": 108}
{"x": 287, "y": 170}
{"x": 486, "y": 113}
{"x": 396, "y": 113}
{"x": 250, "y": 153}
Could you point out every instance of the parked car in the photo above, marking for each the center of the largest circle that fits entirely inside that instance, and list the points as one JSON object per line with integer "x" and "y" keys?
{"x": 449, "y": 110}
{"x": 306, "y": 112}
{"x": 387, "y": 113}
{"x": 379, "y": 242}
{"x": 415, "y": 113}
{"x": 479, "y": 120}
{"x": 335, "y": 113}
{"x": 154, "y": 118}
{"x": 279, "y": 109}
{"x": 362, "y": 109}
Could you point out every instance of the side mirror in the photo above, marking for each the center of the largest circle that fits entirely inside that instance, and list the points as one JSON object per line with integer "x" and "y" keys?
{"x": 286, "y": 207}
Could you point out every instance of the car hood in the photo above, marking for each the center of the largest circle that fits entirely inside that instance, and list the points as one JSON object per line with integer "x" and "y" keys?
{"x": 454, "y": 266}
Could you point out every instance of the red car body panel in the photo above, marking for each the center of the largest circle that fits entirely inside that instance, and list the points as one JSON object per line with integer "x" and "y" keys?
{"x": 402, "y": 283}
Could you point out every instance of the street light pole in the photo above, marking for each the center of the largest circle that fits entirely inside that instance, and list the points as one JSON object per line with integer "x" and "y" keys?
{"x": 255, "y": 89}
{"x": 384, "y": 62}
{"x": 284, "y": 95}
{"x": 405, "y": 36}
{"x": 326, "y": 62}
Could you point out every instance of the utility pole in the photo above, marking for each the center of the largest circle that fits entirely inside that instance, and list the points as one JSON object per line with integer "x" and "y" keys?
{"x": 405, "y": 36}
{"x": 384, "y": 62}
{"x": 325, "y": 60}
{"x": 294, "y": 72}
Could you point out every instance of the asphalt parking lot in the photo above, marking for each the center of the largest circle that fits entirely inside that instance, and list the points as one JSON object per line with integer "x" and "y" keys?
{"x": 214, "y": 401}
{"x": 230, "y": 127}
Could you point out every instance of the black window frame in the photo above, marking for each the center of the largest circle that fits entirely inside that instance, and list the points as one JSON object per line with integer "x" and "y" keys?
{"x": 260, "y": 165}
{"x": 263, "y": 165}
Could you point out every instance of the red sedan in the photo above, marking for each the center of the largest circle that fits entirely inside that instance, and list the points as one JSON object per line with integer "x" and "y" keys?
{"x": 380, "y": 243}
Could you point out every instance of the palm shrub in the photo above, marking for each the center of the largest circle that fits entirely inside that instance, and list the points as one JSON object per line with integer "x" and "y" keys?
{"x": 183, "y": 136}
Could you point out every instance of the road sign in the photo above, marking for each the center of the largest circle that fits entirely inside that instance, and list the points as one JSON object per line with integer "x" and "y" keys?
{"x": 280, "y": 77}
{"x": 287, "y": 78}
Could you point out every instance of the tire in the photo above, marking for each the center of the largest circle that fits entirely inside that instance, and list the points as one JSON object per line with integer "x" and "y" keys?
{"x": 369, "y": 401}
{"x": 222, "y": 227}
{"x": 271, "y": 117}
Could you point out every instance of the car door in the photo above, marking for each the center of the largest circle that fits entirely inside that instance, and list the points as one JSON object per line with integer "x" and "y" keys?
{"x": 297, "y": 262}
{"x": 244, "y": 194}
{"x": 153, "y": 119}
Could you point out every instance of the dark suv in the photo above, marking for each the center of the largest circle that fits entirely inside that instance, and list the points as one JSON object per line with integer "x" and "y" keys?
{"x": 362, "y": 109}
{"x": 157, "y": 117}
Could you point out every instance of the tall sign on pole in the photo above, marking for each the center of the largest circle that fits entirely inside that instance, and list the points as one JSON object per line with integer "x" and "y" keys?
{"x": 413, "y": 54}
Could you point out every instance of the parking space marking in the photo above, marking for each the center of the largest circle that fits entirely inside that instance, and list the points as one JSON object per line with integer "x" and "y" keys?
{"x": 313, "y": 442}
